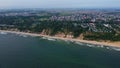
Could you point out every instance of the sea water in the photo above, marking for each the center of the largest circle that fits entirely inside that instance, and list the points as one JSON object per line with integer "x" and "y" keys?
{"x": 19, "y": 51}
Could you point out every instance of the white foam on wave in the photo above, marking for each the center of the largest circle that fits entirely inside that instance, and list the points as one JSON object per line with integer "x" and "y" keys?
{"x": 107, "y": 48}
{"x": 101, "y": 46}
{"x": 117, "y": 49}
{"x": 79, "y": 43}
{"x": 22, "y": 35}
{"x": 3, "y": 32}
{"x": 44, "y": 37}
{"x": 67, "y": 41}
{"x": 50, "y": 39}
{"x": 90, "y": 45}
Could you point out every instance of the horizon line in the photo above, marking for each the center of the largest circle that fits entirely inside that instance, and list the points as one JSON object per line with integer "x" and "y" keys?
{"x": 65, "y": 8}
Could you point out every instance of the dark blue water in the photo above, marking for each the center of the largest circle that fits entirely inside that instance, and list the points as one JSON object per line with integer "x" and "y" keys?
{"x": 34, "y": 52}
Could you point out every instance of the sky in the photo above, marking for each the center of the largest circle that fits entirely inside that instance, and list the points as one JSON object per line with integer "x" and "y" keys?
{"x": 59, "y": 3}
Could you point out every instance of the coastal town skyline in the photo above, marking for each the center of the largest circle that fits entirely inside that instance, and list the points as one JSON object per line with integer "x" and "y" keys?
{"x": 59, "y": 4}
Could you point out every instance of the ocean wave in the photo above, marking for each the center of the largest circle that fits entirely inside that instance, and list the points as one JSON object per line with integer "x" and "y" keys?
{"x": 22, "y": 35}
{"x": 50, "y": 39}
{"x": 99, "y": 46}
{"x": 67, "y": 41}
{"x": 117, "y": 49}
{"x": 44, "y": 38}
{"x": 3, "y": 33}
{"x": 90, "y": 45}
{"x": 79, "y": 43}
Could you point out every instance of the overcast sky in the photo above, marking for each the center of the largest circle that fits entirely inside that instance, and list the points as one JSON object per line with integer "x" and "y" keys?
{"x": 59, "y": 3}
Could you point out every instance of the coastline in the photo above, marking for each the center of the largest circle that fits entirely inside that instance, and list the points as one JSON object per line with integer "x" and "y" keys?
{"x": 113, "y": 44}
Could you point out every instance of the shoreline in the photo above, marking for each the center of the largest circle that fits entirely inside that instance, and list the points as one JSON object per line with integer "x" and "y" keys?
{"x": 112, "y": 44}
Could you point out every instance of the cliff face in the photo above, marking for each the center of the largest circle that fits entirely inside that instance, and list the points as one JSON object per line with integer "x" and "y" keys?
{"x": 58, "y": 34}
{"x": 88, "y": 35}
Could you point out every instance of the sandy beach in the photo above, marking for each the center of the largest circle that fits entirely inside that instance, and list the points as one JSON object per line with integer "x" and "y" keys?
{"x": 114, "y": 44}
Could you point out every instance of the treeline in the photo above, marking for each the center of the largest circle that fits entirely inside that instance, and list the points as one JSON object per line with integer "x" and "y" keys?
{"x": 36, "y": 25}
{"x": 113, "y": 36}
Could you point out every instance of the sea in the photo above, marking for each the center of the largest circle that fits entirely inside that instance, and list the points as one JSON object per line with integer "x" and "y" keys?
{"x": 22, "y": 51}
